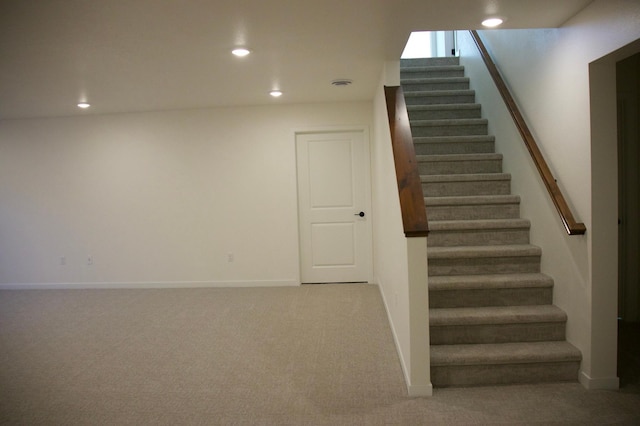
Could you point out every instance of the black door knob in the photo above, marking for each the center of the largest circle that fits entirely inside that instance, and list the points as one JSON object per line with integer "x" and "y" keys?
{"x": 361, "y": 214}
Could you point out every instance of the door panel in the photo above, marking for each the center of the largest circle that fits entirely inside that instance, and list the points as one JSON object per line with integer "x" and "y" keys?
{"x": 333, "y": 188}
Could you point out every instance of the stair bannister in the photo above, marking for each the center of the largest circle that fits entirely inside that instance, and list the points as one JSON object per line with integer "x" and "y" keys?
{"x": 414, "y": 214}
{"x": 571, "y": 226}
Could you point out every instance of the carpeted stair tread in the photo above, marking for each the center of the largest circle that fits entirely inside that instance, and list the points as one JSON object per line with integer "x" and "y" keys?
{"x": 440, "y": 107}
{"x": 464, "y": 252}
{"x": 466, "y": 177}
{"x": 435, "y": 80}
{"x": 458, "y": 225}
{"x": 504, "y": 353}
{"x": 495, "y": 281}
{"x": 429, "y": 62}
{"x": 495, "y": 315}
{"x": 454, "y": 139}
{"x": 459, "y": 157}
{"x": 439, "y": 93}
{"x": 471, "y": 200}
{"x": 431, "y": 68}
{"x": 449, "y": 122}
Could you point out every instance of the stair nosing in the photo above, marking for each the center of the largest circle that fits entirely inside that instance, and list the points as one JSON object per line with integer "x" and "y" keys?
{"x": 449, "y": 122}
{"x": 433, "y": 68}
{"x": 479, "y": 224}
{"x": 465, "y": 200}
{"x": 434, "y": 80}
{"x": 496, "y": 315}
{"x": 484, "y": 251}
{"x": 466, "y": 177}
{"x": 439, "y": 107}
{"x": 481, "y": 156}
{"x": 453, "y": 139}
{"x": 504, "y": 353}
{"x": 489, "y": 281}
{"x": 435, "y": 93}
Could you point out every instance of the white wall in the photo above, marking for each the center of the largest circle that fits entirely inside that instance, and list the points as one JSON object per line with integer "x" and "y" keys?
{"x": 156, "y": 198}
{"x": 548, "y": 73}
{"x": 400, "y": 263}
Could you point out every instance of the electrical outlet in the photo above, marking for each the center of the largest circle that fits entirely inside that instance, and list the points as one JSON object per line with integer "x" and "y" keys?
{"x": 230, "y": 257}
{"x": 89, "y": 260}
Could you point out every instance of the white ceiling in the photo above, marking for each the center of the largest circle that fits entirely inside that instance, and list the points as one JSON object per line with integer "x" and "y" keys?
{"x": 142, "y": 55}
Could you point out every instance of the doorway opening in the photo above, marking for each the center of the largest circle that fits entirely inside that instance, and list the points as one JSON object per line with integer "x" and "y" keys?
{"x": 430, "y": 44}
{"x": 628, "y": 111}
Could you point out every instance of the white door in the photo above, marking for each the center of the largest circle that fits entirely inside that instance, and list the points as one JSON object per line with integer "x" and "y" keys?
{"x": 333, "y": 205}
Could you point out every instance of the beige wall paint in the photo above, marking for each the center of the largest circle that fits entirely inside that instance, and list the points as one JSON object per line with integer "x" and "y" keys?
{"x": 156, "y": 198}
{"x": 549, "y": 74}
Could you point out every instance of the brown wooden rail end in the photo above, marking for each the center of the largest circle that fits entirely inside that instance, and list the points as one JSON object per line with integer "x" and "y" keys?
{"x": 414, "y": 213}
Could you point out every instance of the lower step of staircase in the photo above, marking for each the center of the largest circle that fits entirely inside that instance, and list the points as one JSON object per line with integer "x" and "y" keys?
{"x": 484, "y": 260}
{"x": 504, "y": 363}
{"x": 473, "y": 207}
{"x": 467, "y": 291}
{"x": 496, "y": 324}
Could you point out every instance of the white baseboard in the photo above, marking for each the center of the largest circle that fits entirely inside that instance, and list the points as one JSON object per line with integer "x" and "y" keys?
{"x": 602, "y": 383}
{"x": 405, "y": 370}
{"x": 420, "y": 390}
{"x": 149, "y": 285}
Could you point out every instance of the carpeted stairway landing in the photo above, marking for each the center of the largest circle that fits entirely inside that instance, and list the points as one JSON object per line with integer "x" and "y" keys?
{"x": 491, "y": 319}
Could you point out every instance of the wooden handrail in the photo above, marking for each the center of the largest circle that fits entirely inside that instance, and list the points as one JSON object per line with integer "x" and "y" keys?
{"x": 414, "y": 213}
{"x": 570, "y": 225}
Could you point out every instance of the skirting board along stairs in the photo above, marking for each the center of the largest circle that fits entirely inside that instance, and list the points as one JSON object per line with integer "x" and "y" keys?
{"x": 492, "y": 320}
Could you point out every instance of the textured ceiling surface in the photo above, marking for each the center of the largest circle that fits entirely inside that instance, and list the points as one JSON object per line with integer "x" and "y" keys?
{"x": 143, "y": 55}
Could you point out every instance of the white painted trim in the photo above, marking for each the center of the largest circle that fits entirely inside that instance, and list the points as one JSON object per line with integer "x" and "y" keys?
{"x": 420, "y": 390}
{"x": 405, "y": 369}
{"x": 603, "y": 383}
{"x": 150, "y": 284}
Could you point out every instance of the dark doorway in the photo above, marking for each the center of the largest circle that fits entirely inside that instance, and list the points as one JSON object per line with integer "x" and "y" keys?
{"x": 628, "y": 101}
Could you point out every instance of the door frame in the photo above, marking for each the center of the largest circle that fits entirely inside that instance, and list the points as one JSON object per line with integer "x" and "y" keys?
{"x": 367, "y": 171}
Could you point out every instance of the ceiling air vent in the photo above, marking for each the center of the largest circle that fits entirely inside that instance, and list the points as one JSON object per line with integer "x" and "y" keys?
{"x": 341, "y": 82}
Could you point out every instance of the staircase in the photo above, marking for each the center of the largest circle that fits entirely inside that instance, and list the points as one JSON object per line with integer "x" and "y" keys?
{"x": 492, "y": 320}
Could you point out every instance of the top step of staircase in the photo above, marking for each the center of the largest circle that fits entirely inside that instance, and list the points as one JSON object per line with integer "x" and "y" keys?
{"x": 429, "y": 62}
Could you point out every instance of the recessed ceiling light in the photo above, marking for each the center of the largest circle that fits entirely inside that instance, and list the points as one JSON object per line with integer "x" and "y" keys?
{"x": 275, "y": 93}
{"x": 241, "y": 51}
{"x": 84, "y": 105}
{"x": 492, "y": 22}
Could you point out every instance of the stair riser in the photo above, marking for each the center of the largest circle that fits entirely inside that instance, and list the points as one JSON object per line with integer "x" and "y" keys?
{"x": 408, "y": 74}
{"x": 501, "y": 374}
{"x": 453, "y": 130}
{"x": 475, "y": 298}
{"x": 424, "y": 86}
{"x": 443, "y": 148}
{"x": 484, "y": 265}
{"x": 496, "y": 333}
{"x": 445, "y": 114}
{"x": 498, "y": 211}
{"x": 478, "y": 237}
{"x": 429, "y": 62}
{"x": 431, "y": 99}
{"x": 450, "y": 189}
{"x": 459, "y": 167}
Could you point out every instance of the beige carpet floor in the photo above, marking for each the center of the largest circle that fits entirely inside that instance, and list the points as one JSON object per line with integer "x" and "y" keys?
{"x": 310, "y": 355}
